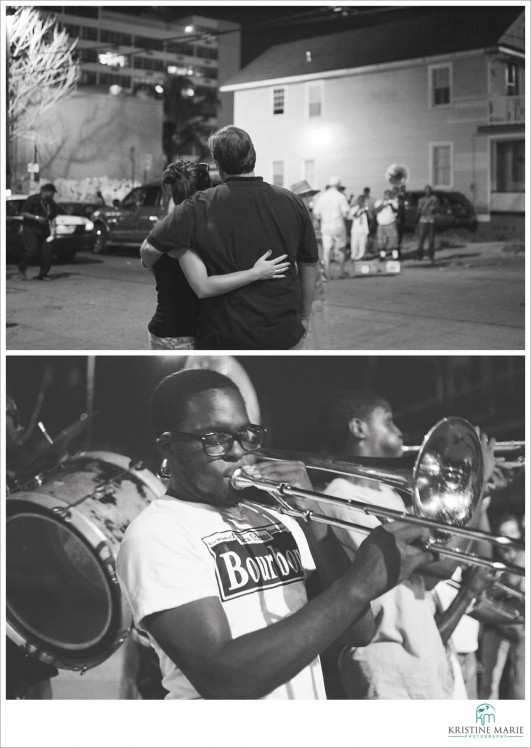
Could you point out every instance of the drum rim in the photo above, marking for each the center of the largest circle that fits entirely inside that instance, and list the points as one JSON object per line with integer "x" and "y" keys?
{"x": 105, "y": 556}
{"x": 148, "y": 477}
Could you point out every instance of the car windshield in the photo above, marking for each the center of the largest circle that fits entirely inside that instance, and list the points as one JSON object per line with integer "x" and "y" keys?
{"x": 459, "y": 199}
{"x": 146, "y": 197}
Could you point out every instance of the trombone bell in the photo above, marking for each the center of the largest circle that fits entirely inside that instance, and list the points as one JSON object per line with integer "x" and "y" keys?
{"x": 448, "y": 474}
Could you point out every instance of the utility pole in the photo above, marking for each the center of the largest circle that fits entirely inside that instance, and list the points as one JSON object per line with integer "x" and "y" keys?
{"x": 132, "y": 155}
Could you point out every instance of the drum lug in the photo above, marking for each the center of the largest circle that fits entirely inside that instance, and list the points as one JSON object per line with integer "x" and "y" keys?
{"x": 109, "y": 489}
{"x": 62, "y": 513}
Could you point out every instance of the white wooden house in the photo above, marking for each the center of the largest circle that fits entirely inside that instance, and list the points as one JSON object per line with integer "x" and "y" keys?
{"x": 441, "y": 93}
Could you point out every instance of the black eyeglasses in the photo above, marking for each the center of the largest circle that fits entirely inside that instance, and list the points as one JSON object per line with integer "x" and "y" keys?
{"x": 217, "y": 444}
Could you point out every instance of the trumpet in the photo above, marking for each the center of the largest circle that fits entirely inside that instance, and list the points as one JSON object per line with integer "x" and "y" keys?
{"x": 498, "y": 604}
{"x": 445, "y": 486}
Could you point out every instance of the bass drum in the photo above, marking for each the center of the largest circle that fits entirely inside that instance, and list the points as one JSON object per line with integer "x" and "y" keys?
{"x": 63, "y": 600}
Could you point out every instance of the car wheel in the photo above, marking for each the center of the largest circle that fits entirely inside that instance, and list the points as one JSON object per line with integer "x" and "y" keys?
{"x": 102, "y": 235}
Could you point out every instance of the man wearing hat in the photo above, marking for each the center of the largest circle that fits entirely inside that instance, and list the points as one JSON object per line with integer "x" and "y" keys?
{"x": 38, "y": 213}
{"x": 316, "y": 332}
{"x": 332, "y": 209}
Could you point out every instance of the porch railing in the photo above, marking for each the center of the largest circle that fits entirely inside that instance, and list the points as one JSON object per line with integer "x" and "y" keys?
{"x": 505, "y": 110}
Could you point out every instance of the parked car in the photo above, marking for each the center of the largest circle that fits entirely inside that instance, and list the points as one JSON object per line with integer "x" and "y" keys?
{"x": 79, "y": 208}
{"x": 455, "y": 210}
{"x": 128, "y": 223}
{"x": 72, "y": 232}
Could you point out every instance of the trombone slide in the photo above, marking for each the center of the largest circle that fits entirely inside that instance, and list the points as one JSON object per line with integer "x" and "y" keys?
{"x": 240, "y": 480}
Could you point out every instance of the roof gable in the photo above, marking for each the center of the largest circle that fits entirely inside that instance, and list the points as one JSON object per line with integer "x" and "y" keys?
{"x": 406, "y": 39}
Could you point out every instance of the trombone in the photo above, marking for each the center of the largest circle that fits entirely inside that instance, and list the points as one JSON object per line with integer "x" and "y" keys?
{"x": 500, "y": 448}
{"x": 445, "y": 486}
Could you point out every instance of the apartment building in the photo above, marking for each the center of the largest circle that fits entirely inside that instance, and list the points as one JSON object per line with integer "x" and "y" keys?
{"x": 113, "y": 123}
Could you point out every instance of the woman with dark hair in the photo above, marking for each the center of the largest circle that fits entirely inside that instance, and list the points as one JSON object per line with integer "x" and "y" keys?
{"x": 182, "y": 279}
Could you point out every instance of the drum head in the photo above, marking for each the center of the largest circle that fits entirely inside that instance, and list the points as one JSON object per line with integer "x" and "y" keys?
{"x": 69, "y": 595}
{"x": 59, "y": 596}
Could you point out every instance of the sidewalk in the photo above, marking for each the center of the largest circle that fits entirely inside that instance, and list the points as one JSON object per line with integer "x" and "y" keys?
{"x": 455, "y": 250}
{"x": 472, "y": 297}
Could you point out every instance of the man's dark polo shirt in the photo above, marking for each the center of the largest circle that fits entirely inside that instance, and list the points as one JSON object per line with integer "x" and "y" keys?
{"x": 35, "y": 205}
{"x": 230, "y": 226}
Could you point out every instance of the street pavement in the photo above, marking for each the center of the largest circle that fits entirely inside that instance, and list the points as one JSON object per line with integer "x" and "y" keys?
{"x": 471, "y": 298}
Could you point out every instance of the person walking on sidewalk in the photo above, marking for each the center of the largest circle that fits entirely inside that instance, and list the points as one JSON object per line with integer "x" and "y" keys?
{"x": 38, "y": 213}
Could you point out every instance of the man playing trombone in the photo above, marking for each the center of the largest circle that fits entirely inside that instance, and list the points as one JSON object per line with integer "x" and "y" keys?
{"x": 217, "y": 584}
{"x": 407, "y": 657}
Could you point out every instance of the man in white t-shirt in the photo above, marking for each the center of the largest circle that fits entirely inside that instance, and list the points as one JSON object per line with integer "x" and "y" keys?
{"x": 387, "y": 235}
{"x": 407, "y": 657}
{"x": 218, "y": 584}
{"x": 331, "y": 208}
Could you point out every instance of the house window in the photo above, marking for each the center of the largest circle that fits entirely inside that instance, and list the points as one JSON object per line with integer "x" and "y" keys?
{"x": 512, "y": 79}
{"x": 508, "y": 165}
{"x": 308, "y": 171}
{"x": 279, "y": 100}
{"x": 440, "y": 85}
{"x": 441, "y": 165}
{"x": 278, "y": 173}
{"x": 315, "y": 99}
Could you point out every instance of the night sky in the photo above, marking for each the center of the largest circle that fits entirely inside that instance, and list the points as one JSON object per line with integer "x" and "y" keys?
{"x": 265, "y": 26}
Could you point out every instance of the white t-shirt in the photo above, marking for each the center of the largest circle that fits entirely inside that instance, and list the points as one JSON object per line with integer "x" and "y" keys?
{"x": 332, "y": 208}
{"x": 406, "y": 658}
{"x": 386, "y": 216}
{"x": 253, "y": 560}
